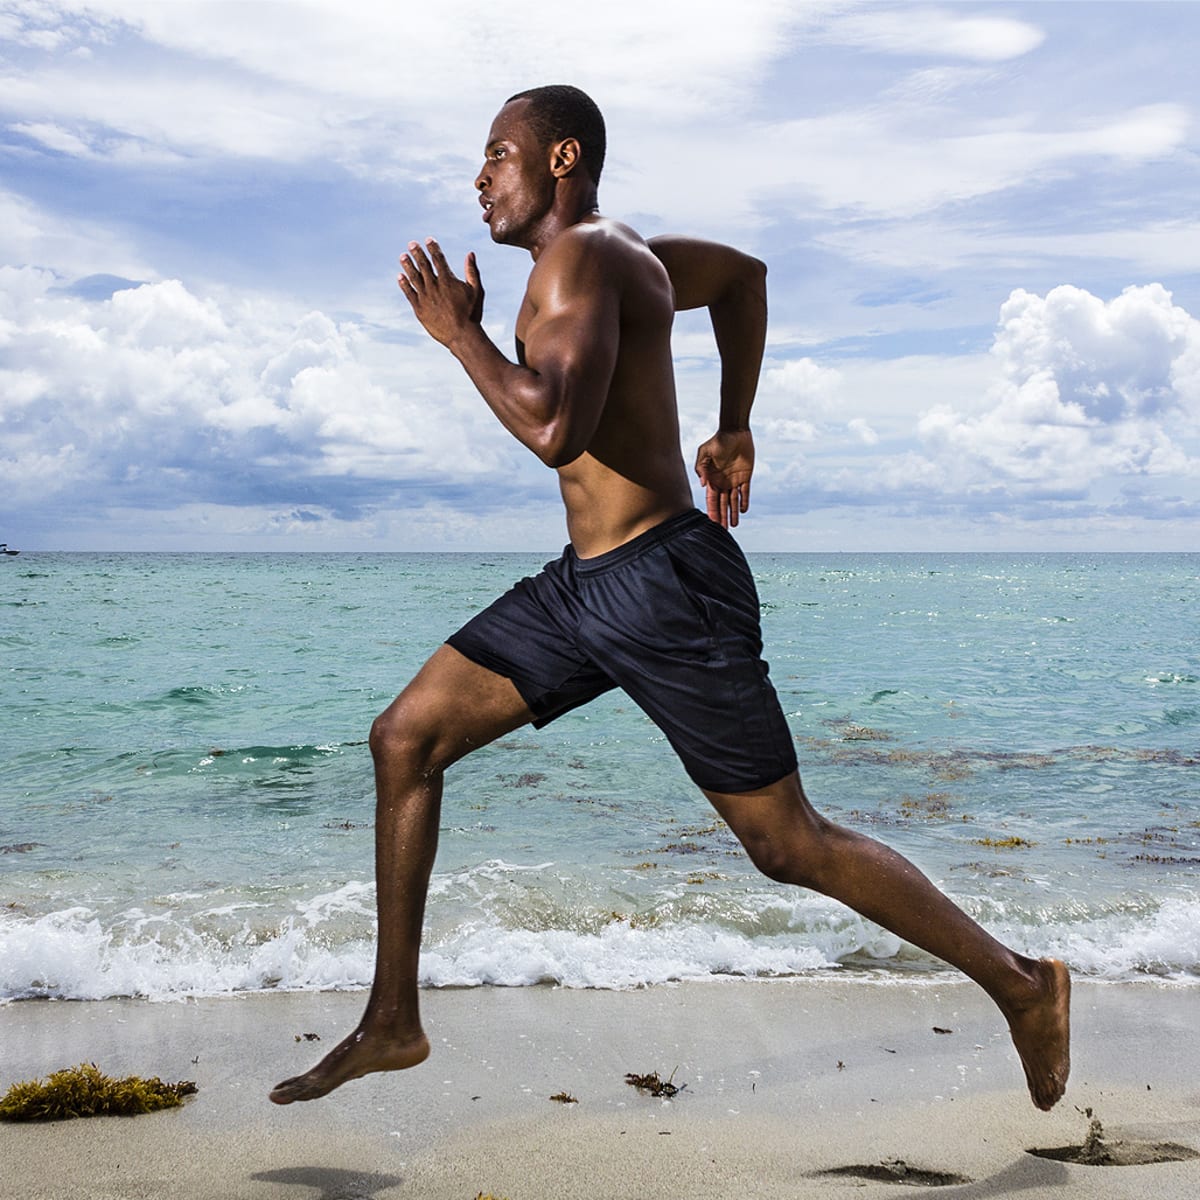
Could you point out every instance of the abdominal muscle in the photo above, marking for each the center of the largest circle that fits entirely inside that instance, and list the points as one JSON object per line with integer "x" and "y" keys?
{"x": 607, "y": 508}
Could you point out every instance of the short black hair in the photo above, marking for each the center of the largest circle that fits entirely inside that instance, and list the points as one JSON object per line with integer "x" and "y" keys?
{"x": 559, "y": 111}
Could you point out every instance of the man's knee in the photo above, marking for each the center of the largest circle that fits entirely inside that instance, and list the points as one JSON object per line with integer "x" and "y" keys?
{"x": 400, "y": 735}
{"x": 775, "y": 859}
{"x": 794, "y": 852}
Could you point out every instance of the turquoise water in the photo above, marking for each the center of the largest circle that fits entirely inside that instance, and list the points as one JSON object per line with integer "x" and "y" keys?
{"x": 186, "y": 794}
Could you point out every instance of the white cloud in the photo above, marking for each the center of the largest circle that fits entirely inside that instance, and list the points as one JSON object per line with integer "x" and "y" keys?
{"x": 931, "y": 32}
{"x": 100, "y": 110}
{"x": 397, "y": 54}
{"x": 32, "y": 24}
{"x": 882, "y": 160}
{"x": 1090, "y": 389}
{"x": 800, "y": 381}
{"x": 1157, "y": 247}
{"x": 54, "y": 137}
{"x": 366, "y": 85}
{"x": 1128, "y": 357}
{"x": 900, "y": 170}
{"x": 863, "y": 431}
{"x": 886, "y": 395}
{"x": 29, "y": 236}
{"x": 353, "y": 85}
{"x": 934, "y": 243}
{"x": 172, "y": 398}
{"x": 1085, "y": 414}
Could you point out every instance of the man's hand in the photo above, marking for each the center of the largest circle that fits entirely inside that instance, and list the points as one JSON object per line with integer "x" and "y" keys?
{"x": 725, "y": 463}
{"x": 443, "y": 303}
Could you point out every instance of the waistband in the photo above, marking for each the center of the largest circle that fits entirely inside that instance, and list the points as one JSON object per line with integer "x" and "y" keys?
{"x": 635, "y": 547}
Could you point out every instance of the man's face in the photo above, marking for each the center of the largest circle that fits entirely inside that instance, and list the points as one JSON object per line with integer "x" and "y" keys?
{"x": 516, "y": 187}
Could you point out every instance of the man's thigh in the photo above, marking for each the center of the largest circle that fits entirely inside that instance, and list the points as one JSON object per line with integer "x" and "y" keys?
{"x": 454, "y": 706}
{"x": 530, "y": 636}
{"x": 677, "y": 627}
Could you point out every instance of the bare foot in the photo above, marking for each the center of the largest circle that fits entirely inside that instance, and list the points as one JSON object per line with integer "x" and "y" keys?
{"x": 1041, "y": 1032}
{"x": 359, "y": 1054}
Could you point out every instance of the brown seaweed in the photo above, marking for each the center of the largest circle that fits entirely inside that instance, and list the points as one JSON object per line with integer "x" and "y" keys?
{"x": 653, "y": 1084}
{"x": 85, "y": 1091}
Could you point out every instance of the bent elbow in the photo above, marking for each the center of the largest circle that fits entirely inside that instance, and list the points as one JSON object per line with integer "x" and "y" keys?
{"x": 748, "y": 279}
{"x": 558, "y": 454}
{"x": 565, "y": 433}
{"x": 554, "y": 445}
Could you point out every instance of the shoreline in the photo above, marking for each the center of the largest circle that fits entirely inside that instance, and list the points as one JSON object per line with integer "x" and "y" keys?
{"x": 780, "y": 1081}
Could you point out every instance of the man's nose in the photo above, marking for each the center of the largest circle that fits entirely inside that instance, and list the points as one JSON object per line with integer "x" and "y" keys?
{"x": 481, "y": 180}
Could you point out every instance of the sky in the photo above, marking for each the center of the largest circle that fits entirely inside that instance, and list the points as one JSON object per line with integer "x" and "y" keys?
{"x": 979, "y": 219}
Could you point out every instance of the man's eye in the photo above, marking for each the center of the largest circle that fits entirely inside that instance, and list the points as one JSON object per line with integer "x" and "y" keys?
{"x": 498, "y": 152}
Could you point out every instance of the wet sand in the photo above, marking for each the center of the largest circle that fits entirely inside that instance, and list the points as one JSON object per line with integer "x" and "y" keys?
{"x": 791, "y": 1089}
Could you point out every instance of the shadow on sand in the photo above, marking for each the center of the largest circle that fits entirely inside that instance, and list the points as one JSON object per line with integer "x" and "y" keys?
{"x": 333, "y": 1183}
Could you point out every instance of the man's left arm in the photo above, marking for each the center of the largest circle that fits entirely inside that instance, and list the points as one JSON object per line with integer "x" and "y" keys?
{"x": 733, "y": 287}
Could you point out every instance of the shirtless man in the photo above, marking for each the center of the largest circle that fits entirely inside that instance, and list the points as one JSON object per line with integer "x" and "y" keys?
{"x": 651, "y": 595}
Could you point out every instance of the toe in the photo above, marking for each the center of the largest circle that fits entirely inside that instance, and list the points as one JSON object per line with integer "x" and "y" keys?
{"x": 285, "y": 1092}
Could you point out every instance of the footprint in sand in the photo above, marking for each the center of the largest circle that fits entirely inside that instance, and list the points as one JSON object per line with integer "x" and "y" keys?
{"x": 1119, "y": 1153}
{"x": 898, "y": 1171}
{"x": 1101, "y": 1150}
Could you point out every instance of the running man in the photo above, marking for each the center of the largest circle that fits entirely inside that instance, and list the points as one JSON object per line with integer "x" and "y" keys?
{"x": 651, "y": 595}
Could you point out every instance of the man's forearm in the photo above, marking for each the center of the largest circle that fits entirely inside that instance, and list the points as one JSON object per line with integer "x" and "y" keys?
{"x": 739, "y": 321}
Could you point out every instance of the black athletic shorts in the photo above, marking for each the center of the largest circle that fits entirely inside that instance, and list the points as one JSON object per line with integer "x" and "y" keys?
{"x": 671, "y": 617}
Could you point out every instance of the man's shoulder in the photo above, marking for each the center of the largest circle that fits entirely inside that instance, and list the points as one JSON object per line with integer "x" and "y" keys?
{"x": 598, "y": 237}
{"x": 600, "y": 248}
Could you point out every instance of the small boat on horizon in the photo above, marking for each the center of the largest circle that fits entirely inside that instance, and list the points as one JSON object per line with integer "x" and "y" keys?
{"x": 5, "y": 550}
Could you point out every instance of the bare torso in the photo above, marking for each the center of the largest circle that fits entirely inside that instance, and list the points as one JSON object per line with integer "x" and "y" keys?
{"x": 632, "y": 475}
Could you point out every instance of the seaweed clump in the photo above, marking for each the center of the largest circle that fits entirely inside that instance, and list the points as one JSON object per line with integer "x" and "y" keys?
{"x": 653, "y": 1084}
{"x": 85, "y": 1091}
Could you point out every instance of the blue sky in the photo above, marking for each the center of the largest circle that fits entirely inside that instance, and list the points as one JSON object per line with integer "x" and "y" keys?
{"x": 980, "y": 222}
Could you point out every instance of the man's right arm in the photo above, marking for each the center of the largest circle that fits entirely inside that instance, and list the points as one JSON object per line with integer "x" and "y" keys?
{"x": 552, "y": 400}
{"x": 733, "y": 287}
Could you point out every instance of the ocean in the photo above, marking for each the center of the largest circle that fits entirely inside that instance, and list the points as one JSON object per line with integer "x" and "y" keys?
{"x": 186, "y": 799}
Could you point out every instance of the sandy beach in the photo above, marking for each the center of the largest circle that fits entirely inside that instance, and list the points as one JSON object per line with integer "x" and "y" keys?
{"x": 784, "y": 1086}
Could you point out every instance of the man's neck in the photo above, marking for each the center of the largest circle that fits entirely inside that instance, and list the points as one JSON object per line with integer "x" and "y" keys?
{"x": 575, "y": 202}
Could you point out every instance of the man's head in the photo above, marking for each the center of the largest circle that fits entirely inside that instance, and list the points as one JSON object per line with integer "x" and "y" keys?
{"x": 559, "y": 111}
{"x": 544, "y": 154}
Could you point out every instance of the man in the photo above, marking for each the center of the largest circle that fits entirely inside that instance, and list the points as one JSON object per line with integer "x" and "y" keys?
{"x": 650, "y": 595}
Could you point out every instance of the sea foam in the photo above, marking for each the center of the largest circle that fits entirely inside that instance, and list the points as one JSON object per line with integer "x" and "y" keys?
{"x": 73, "y": 954}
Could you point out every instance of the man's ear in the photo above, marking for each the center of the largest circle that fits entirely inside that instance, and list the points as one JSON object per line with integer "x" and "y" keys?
{"x": 564, "y": 157}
